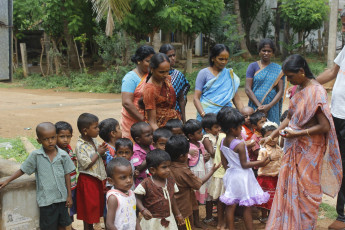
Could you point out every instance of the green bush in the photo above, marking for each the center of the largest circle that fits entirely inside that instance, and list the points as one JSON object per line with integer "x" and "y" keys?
{"x": 17, "y": 151}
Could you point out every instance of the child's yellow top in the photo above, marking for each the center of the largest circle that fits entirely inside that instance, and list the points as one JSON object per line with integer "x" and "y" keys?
{"x": 217, "y": 159}
{"x": 276, "y": 154}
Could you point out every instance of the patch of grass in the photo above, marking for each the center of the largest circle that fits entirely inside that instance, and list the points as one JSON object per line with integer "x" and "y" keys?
{"x": 33, "y": 141}
{"x": 17, "y": 151}
{"x": 328, "y": 211}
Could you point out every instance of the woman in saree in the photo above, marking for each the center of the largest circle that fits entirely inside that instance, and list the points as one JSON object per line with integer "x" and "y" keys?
{"x": 307, "y": 169}
{"x": 131, "y": 89}
{"x": 159, "y": 95}
{"x": 265, "y": 83}
{"x": 216, "y": 86}
{"x": 178, "y": 81}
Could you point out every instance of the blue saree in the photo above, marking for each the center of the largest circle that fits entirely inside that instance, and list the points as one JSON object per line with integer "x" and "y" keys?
{"x": 262, "y": 82}
{"x": 219, "y": 91}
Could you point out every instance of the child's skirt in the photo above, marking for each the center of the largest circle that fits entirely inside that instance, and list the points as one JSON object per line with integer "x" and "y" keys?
{"x": 268, "y": 184}
{"x": 208, "y": 168}
{"x": 216, "y": 188}
{"x": 200, "y": 171}
{"x": 90, "y": 199}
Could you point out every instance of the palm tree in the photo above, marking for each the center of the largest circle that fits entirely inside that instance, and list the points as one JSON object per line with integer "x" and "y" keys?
{"x": 110, "y": 9}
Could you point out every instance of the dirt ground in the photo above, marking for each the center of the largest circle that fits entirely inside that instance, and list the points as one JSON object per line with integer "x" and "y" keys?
{"x": 21, "y": 109}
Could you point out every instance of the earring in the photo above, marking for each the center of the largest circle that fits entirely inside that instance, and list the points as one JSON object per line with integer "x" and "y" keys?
{"x": 303, "y": 75}
{"x": 138, "y": 62}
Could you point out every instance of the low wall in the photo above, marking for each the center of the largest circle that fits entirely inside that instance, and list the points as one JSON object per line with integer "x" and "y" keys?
{"x": 19, "y": 209}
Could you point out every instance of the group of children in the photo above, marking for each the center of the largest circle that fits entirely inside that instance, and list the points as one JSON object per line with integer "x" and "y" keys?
{"x": 164, "y": 175}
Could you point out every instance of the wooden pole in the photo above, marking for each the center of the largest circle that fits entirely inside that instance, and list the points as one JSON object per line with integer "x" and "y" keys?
{"x": 24, "y": 59}
{"x": 332, "y": 38}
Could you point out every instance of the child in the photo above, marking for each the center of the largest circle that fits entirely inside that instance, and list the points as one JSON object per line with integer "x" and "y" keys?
{"x": 178, "y": 148}
{"x": 142, "y": 135}
{"x": 90, "y": 155}
{"x": 155, "y": 195}
{"x": 52, "y": 168}
{"x": 247, "y": 128}
{"x": 124, "y": 148}
{"x": 240, "y": 184}
{"x": 175, "y": 126}
{"x": 282, "y": 118}
{"x": 160, "y": 137}
{"x": 268, "y": 175}
{"x": 209, "y": 140}
{"x": 110, "y": 131}
{"x": 64, "y": 134}
{"x": 216, "y": 188}
{"x": 257, "y": 120}
{"x": 121, "y": 203}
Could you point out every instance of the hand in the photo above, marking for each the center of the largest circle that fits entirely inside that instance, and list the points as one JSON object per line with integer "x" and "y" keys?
{"x": 180, "y": 220}
{"x": 290, "y": 133}
{"x": 250, "y": 143}
{"x": 147, "y": 214}
{"x": 215, "y": 167}
{"x": 136, "y": 173}
{"x": 265, "y": 161}
{"x": 69, "y": 202}
{"x": 3, "y": 184}
{"x": 193, "y": 152}
{"x": 264, "y": 108}
{"x": 102, "y": 148}
{"x": 207, "y": 157}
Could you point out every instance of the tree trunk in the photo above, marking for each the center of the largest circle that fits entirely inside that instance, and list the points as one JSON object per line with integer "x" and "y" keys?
{"x": 286, "y": 40}
{"x": 277, "y": 29}
{"x": 72, "y": 53}
{"x": 56, "y": 58}
{"x": 246, "y": 54}
{"x": 126, "y": 54}
{"x": 24, "y": 59}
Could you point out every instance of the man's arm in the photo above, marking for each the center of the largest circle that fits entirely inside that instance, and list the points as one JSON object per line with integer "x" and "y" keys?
{"x": 328, "y": 75}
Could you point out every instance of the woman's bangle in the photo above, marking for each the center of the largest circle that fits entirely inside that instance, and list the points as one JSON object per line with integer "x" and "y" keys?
{"x": 202, "y": 114}
{"x": 308, "y": 132}
{"x": 270, "y": 137}
{"x": 179, "y": 215}
{"x": 143, "y": 210}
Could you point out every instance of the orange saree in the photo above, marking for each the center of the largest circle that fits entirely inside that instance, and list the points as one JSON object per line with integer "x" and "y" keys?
{"x": 127, "y": 120}
{"x": 307, "y": 169}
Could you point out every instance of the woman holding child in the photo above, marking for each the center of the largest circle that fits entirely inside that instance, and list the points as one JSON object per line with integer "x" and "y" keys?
{"x": 265, "y": 83}
{"x": 132, "y": 87}
{"x": 216, "y": 86}
{"x": 310, "y": 129}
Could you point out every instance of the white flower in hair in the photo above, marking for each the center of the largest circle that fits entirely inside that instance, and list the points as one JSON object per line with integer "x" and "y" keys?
{"x": 270, "y": 123}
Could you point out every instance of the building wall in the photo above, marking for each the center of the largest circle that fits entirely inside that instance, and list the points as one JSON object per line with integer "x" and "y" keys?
{"x": 6, "y": 39}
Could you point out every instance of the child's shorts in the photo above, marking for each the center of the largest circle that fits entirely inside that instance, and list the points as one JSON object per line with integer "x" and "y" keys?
{"x": 54, "y": 215}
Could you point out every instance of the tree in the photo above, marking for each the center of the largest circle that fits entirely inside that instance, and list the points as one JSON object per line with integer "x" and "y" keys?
{"x": 304, "y": 15}
{"x": 249, "y": 9}
{"x": 110, "y": 9}
{"x": 244, "y": 47}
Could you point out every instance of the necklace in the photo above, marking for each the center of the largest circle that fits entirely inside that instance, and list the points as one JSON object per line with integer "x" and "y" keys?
{"x": 137, "y": 72}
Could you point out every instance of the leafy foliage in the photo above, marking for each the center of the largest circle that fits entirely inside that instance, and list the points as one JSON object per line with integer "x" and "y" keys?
{"x": 304, "y": 15}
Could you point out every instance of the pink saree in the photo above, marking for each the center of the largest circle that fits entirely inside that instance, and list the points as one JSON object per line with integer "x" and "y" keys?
{"x": 307, "y": 169}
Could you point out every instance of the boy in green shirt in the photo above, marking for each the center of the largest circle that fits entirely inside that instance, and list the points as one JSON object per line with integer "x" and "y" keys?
{"x": 52, "y": 167}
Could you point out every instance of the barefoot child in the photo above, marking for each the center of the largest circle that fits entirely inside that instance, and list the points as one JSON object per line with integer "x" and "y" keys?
{"x": 257, "y": 119}
{"x": 268, "y": 175}
{"x": 110, "y": 131}
{"x": 196, "y": 161}
{"x": 209, "y": 140}
{"x": 52, "y": 167}
{"x": 90, "y": 155}
{"x": 160, "y": 137}
{"x": 240, "y": 184}
{"x": 142, "y": 135}
{"x": 121, "y": 203}
{"x": 64, "y": 133}
{"x": 178, "y": 148}
{"x": 155, "y": 195}
{"x": 175, "y": 126}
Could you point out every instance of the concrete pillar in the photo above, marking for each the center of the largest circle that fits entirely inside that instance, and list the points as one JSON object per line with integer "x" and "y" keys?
{"x": 332, "y": 38}
{"x": 198, "y": 45}
{"x": 189, "y": 62}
